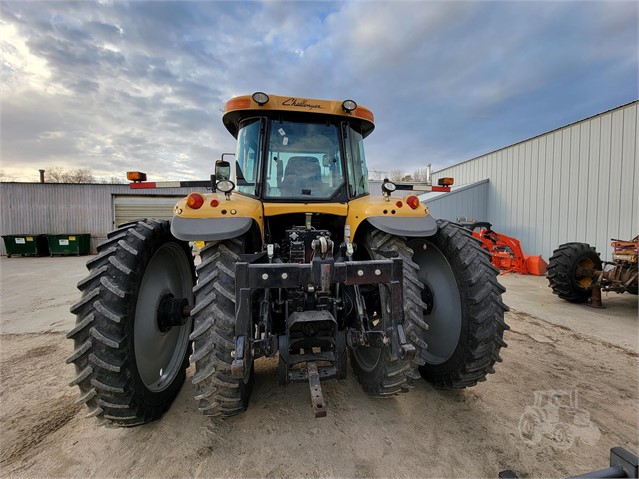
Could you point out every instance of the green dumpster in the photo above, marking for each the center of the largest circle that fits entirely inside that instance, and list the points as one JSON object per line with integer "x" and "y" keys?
{"x": 26, "y": 245}
{"x": 77, "y": 244}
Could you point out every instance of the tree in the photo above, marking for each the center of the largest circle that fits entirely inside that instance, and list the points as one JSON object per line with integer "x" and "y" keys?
{"x": 113, "y": 180}
{"x": 375, "y": 175}
{"x": 81, "y": 175}
{"x": 57, "y": 174}
{"x": 397, "y": 175}
{"x": 420, "y": 174}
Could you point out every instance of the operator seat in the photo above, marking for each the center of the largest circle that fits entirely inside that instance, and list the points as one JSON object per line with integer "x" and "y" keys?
{"x": 302, "y": 177}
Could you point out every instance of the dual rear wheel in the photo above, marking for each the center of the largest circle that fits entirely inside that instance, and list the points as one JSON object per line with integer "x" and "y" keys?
{"x": 131, "y": 355}
{"x": 453, "y": 312}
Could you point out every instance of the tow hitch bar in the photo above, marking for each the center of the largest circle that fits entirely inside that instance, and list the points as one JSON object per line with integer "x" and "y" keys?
{"x": 319, "y": 406}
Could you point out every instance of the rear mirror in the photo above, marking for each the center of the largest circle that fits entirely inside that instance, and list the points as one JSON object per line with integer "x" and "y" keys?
{"x": 326, "y": 162}
{"x": 222, "y": 170}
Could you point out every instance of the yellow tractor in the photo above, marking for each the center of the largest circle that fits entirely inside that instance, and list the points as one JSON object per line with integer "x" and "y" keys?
{"x": 297, "y": 261}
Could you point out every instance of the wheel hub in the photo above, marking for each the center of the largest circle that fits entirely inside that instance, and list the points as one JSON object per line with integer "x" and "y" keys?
{"x": 442, "y": 297}
{"x": 160, "y": 342}
{"x": 172, "y": 312}
{"x": 427, "y": 298}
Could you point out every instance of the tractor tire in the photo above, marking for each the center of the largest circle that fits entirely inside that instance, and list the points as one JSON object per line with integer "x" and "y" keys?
{"x": 562, "y": 271}
{"x": 218, "y": 392}
{"x": 459, "y": 337}
{"x": 379, "y": 374}
{"x": 128, "y": 370}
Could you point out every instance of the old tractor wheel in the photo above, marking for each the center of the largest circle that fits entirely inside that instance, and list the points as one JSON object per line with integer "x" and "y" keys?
{"x": 378, "y": 373}
{"x": 530, "y": 427}
{"x": 562, "y": 436}
{"x": 570, "y": 271}
{"x": 459, "y": 337}
{"x": 132, "y": 329}
{"x": 218, "y": 392}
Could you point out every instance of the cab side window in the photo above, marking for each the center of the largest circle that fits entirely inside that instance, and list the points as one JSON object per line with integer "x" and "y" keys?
{"x": 247, "y": 157}
{"x": 357, "y": 171}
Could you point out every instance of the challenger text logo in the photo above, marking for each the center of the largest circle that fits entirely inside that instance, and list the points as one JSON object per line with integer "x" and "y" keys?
{"x": 301, "y": 104}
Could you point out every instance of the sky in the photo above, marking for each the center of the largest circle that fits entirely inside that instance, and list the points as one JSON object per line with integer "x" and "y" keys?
{"x": 115, "y": 86}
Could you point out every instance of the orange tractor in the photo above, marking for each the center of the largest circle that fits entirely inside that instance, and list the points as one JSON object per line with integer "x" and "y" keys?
{"x": 505, "y": 251}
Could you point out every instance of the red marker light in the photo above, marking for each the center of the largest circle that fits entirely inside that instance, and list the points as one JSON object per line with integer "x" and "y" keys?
{"x": 399, "y": 204}
{"x": 195, "y": 201}
{"x": 413, "y": 202}
{"x": 214, "y": 203}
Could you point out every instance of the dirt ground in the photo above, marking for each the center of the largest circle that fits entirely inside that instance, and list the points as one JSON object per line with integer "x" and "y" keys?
{"x": 424, "y": 433}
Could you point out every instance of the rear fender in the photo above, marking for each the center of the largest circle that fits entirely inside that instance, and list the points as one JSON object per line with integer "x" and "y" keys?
{"x": 209, "y": 229}
{"x": 218, "y": 218}
{"x": 405, "y": 226}
{"x": 390, "y": 215}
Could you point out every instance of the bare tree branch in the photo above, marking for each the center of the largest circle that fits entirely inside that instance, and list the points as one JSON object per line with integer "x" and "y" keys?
{"x": 57, "y": 174}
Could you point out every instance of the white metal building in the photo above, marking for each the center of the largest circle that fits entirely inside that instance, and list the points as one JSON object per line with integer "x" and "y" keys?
{"x": 576, "y": 183}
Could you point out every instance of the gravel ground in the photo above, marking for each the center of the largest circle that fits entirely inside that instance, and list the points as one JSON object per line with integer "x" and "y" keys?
{"x": 424, "y": 433}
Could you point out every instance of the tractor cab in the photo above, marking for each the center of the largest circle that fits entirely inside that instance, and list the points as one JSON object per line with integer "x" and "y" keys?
{"x": 298, "y": 150}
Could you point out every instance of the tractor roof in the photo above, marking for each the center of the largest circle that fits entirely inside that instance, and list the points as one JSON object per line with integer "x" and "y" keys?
{"x": 246, "y": 106}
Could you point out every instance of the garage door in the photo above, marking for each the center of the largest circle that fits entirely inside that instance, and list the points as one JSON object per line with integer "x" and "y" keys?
{"x": 130, "y": 208}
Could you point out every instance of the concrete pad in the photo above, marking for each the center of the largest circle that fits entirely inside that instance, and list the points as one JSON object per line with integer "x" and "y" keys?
{"x": 616, "y": 324}
{"x": 36, "y": 293}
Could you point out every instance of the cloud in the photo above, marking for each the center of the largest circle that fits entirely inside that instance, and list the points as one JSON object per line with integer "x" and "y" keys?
{"x": 115, "y": 86}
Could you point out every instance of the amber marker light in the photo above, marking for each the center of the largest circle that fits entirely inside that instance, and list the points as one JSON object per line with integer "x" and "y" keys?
{"x": 446, "y": 181}
{"x": 364, "y": 113}
{"x": 237, "y": 104}
{"x": 195, "y": 201}
{"x": 135, "y": 176}
{"x": 413, "y": 202}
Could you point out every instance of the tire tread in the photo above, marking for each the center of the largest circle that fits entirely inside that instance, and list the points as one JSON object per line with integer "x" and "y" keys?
{"x": 103, "y": 350}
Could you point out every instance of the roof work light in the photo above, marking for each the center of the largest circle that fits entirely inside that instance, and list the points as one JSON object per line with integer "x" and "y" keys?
{"x": 260, "y": 98}
{"x": 349, "y": 105}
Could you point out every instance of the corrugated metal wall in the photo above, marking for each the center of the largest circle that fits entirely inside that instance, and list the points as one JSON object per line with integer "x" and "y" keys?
{"x": 49, "y": 208}
{"x": 127, "y": 208}
{"x": 576, "y": 183}
{"x": 470, "y": 201}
